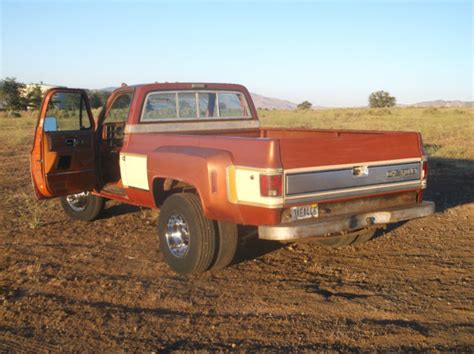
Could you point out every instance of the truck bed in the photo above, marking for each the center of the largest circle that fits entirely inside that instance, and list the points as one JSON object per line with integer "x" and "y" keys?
{"x": 309, "y": 148}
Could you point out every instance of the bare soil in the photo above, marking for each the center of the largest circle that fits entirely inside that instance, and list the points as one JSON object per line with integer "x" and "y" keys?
{"x": 69, "y": 285}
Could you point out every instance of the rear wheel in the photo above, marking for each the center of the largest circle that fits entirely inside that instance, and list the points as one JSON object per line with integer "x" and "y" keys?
{"x": 352, "y": 238}
{"x": 227, "y": 240}
{"x": 83, "y": 206}
{"x": 187, "y": 238}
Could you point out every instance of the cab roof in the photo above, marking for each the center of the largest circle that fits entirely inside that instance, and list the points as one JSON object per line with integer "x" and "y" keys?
{"x": 157, "y": 86}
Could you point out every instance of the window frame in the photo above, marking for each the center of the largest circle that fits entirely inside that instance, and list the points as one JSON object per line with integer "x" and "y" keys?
{"x": 198, "y": 118}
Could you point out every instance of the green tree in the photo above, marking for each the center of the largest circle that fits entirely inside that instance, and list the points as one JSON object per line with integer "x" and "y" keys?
{"x": 305, "y": 105}
{"x": 95, "y": 99}
{"x": 98, "y": 98}
{"x": 11, "y": 93}
{"x": 34, "y": 97}
{"x": 380, "y": 99}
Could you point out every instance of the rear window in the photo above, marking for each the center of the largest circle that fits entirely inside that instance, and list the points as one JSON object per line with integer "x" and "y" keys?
{"x": 160, "y": 106}
{"x": 188, "y": 105}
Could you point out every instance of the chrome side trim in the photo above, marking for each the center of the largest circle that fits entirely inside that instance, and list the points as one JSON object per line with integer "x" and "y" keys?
{"x": 352, "y": 177}
{"x": 353, "y": 192}
{"x": 315, "y": 227}
{"x": 191, "y": 126}
{"x": 350, "y": 165}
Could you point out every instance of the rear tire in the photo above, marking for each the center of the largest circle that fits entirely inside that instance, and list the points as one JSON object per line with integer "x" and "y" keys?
{"x": 227, "y": 244}
{"x": 353, "y": 238}
{"x": 83, "y": 206}
{"x": 187, "y": 238}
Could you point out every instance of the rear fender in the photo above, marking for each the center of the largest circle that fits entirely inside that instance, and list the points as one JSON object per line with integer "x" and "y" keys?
{"x": 204, "y": 169}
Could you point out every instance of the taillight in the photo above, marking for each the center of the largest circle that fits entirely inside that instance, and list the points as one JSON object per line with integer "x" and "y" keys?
{"x": 271, "y": 185}
{"x": 424, "y": 174}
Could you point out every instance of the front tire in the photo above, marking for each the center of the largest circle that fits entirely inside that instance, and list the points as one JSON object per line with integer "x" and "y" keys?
{"x": 83, "y": 206}
{"x": 187, "y": 238}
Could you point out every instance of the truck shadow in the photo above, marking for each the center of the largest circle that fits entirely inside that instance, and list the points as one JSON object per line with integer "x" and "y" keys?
{"x": 117, "y": 210}
{"x": 450, "y": 182}
{"x": 250, "y": 247}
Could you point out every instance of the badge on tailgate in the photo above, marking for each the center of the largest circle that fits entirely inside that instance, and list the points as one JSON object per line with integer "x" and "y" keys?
{"x": 304, "y": 212}
{"x": 360, "y": 171}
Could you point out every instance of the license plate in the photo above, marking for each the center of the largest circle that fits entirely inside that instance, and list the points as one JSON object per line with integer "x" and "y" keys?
{"x": 304, "y": 212}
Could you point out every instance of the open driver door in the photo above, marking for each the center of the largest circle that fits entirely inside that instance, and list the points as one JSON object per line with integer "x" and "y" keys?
{"x": 63, "y": 157}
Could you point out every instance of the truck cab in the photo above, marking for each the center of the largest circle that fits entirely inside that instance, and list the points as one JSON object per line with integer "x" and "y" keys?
{"x": 196, "y": 151}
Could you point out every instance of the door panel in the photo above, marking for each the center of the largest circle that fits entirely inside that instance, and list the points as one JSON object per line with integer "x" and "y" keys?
{"x": 68, "y": 162}
{"x": 63, "y": 160}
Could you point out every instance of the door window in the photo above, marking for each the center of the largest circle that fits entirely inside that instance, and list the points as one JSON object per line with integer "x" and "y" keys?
{"x": 67, "y": 111}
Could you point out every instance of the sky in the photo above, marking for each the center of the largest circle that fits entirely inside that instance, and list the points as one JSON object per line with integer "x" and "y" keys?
{"x": 332, "y": 53}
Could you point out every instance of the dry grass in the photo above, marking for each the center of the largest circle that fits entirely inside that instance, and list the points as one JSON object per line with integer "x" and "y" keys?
{"x": 30, "y": 212}
{"x": 447, "y": 132}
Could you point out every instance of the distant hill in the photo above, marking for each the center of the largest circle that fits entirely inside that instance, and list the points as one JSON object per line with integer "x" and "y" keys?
{"x": 107, "y": 89}
{"x": 443, "y": 103}
{"x": 271, "y": 103}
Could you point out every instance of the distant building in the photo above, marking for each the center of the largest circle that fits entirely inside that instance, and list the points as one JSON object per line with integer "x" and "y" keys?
{"x": 43, "y": 87}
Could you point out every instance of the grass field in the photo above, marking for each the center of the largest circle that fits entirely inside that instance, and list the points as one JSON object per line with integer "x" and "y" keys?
{"x": 447, "y": 132}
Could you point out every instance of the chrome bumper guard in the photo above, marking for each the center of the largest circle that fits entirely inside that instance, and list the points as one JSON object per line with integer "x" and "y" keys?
{"x": 345, "y": 223}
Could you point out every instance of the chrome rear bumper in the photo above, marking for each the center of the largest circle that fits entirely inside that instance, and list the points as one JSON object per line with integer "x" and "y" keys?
{"x": 314, "y": 227}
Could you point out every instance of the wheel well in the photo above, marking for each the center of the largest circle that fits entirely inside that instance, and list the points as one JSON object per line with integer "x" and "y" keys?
{"x": 164, "y": 187}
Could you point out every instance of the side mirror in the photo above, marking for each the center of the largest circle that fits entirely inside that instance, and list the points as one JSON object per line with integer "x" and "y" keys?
{"x": 50, "y": 124}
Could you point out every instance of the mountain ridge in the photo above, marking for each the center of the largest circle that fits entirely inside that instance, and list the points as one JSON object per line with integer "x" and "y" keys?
{"x": 266, "y": 102}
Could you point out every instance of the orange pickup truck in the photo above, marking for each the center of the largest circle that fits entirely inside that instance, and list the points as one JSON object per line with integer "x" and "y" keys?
{"x": 197, "y": 152}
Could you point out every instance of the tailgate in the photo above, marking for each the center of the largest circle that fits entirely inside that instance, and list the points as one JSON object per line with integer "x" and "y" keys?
{"x": 333, "y": 165}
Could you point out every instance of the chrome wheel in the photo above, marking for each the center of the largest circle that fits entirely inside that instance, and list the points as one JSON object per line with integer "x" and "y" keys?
{"x": 78, "y": 201}
{"x": 177, "y": 235}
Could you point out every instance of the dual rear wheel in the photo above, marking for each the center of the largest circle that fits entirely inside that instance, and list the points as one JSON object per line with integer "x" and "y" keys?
{"x": 191, "y": 243}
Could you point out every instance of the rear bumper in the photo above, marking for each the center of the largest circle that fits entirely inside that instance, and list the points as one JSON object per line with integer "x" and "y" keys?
{"x": 311, "y": 228}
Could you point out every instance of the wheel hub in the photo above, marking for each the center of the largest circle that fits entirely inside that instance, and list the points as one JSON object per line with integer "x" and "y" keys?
{"x": 177, "y": 235}
{"x": 78, "y": 201}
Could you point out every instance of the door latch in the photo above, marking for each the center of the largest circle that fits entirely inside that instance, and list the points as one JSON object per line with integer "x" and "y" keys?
{"x": 71, "y": 142}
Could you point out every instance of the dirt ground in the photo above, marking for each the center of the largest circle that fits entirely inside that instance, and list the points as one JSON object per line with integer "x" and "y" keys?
{"x": 68, "y": 285}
